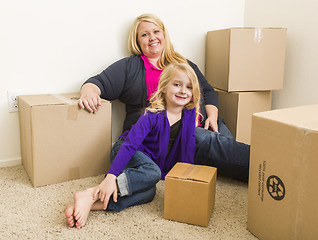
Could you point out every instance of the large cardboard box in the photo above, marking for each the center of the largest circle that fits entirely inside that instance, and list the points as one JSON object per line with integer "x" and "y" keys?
{"x": 283, "y": 182}
{"x": 237, "y": 108}
{"x": 60, "y": 141}
{"x": 246, "y": 59}
{"x": 190, "y": 193}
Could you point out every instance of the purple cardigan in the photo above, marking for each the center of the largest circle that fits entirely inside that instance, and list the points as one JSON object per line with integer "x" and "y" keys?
{"x": 150, "y": 135}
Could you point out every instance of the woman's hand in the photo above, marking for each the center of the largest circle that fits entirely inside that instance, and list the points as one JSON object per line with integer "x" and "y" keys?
{"x": 212, "y": 118}
{"x": 107, "y": 188}
{"x": 90, "y": 97}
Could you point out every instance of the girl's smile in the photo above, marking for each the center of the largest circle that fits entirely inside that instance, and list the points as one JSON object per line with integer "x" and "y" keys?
{"x": 178, "y": 92}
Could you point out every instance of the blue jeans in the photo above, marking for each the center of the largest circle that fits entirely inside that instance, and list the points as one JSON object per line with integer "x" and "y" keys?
{"x": 141, "y": 174}
{"x": 221, "y": 150}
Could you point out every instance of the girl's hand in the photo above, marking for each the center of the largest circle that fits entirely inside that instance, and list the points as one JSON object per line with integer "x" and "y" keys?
{"x": 107, "y": 188}
{"x": 90, "y": 97}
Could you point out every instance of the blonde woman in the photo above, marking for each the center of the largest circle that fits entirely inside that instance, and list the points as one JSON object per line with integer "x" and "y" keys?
{"x": 134, "y": 79}
{"x": 165, "y": 136}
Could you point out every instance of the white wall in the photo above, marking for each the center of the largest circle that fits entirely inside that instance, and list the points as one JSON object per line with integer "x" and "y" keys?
{"x": 299, "y": 17}
{"x": 53, "y": 46}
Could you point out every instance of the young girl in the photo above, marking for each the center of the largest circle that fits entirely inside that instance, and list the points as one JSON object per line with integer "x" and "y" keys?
{"x": 165, "y": 134}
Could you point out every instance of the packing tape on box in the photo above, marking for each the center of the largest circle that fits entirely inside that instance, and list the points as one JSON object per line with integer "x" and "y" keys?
{"x": 258, "y": 35}
{"x": 64, "y": 99}
{"x": 72, "y": 110}
{"x": 188, "y": 171}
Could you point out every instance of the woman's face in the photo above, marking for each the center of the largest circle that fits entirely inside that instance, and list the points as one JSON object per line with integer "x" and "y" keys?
{"x": 151, "y": 39}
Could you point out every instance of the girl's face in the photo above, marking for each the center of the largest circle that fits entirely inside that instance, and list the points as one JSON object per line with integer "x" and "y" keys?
{"x": 151, "y": 39}
{"x": 178, "y": 92}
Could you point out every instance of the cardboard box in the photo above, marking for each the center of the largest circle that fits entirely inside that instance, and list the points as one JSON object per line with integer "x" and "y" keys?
{"x": 246, "y": 59}
{"x": 190, "y": 193}
{"x": 60, "y": 141}
{"x": 283, "y": 182}
{"x": 237, "y": 108}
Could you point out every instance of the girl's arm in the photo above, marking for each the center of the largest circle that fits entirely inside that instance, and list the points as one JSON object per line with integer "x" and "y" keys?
{"x": 135, "y": 137}
{"x": 132, "y": 142}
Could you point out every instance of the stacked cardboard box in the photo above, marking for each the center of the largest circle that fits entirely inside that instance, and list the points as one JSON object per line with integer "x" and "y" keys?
{"x": 60, "y": 141}
{"x": 283, "y": 181}
{"x": 245, "y": 65}
{"x": 237, "y": 109}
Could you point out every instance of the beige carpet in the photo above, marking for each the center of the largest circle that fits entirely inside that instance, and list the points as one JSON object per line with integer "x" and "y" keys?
{"x": 38, "y": 213}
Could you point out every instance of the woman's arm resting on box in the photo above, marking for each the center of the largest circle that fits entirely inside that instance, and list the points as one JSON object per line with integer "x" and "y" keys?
{"x": 90, "y": 97}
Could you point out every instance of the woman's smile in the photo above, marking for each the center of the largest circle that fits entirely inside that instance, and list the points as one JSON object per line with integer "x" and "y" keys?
{"x": 150, "y": 39}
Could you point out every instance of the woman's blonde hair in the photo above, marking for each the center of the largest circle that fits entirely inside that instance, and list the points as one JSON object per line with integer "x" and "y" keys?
{"x": 168, "y": 55}
{"x": 158, "y": 102}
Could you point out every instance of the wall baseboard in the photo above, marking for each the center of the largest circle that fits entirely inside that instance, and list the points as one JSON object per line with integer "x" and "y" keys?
{"x": 10, "y": 162}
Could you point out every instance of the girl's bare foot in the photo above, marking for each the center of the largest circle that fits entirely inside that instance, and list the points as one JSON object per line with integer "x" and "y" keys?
{"x": 69, "y": 213}
{"x": 83, "y": 204}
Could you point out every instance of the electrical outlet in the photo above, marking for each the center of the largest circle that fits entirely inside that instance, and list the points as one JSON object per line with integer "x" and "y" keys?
{"x": 13, "y": 100}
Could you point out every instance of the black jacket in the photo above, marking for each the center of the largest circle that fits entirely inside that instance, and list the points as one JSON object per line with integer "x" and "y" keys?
{"x": 126, "y": 80}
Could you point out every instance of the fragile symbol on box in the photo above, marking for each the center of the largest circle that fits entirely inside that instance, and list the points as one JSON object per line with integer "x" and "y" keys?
{"x": 275, "y": 187}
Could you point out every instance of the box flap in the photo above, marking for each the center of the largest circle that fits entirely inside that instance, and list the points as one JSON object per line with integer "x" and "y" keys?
{"x": 257, "y": 28}
{"x": 51, "y": 99}
{"x": 192, "y": 172}
{"x": 303, "y": 117}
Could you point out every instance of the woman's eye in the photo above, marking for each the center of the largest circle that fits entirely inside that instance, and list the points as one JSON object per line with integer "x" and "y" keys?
{"x": 189, "y": 87}
{"x": 144, "y": 34}
{"x": 156, "y": 31}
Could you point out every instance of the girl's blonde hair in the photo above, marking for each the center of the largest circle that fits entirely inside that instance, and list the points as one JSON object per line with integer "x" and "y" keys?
{"x": 169, "y": 55}
{"x": 158, "y": 102}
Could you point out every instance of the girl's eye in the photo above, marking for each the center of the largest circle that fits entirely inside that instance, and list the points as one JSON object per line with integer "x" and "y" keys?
{"x": 189, "y": 87}
{"x": 176, "y": 84}
{"x": 144, "y": 34}
{"x": 156, "y": 31}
